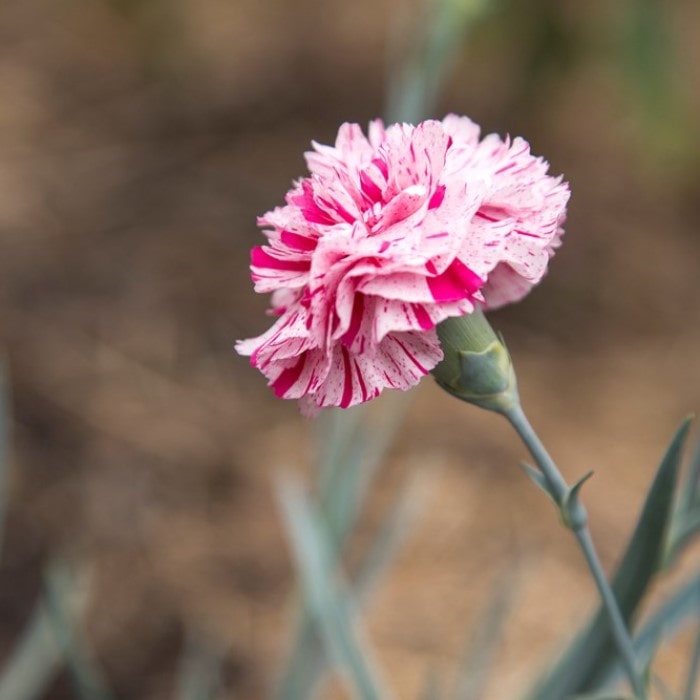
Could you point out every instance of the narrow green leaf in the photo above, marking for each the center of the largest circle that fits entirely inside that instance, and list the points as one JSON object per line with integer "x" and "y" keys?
{"x": 352, "y": 445}
{"x": 5, "y": 430}
{"x": 41, "y": 651}
{"x": 62, "y": 586}
{"x": 308, "y": 660}
{"x": 431, "y": 687}
{"x": 356, "y": 455}
{"x": 690, "y": 494}
{"x": 483, "y": 643}
{"x": 199, "y": 673}
{"x": 649, "y": 54}
{"x": 681, "y": 609}
{"x": 572, "y": 511}
{"x": 325, "y": 593}
{"x": 597, "y": 696}
{"x": 34, "y": 661}
{"x": 684, "y": 526}
{"x": 693, "y": 677}
{"x": 686, "y": 515}
{"x": 539, "y": 480}
{"x": 306, "y": 663}
{"x": 663, "y": 689}
{"x": 389, "y": 536}
{"x": 668, "y": 620}
{"x": 585, "y": 663}
{"x": 423, "y": 49}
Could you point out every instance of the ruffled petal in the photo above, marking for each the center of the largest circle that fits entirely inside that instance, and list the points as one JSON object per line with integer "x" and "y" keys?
{"x": 391, "y": 234}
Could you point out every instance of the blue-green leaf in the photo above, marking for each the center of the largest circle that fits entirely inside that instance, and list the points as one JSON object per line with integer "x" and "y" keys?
{"x": 539, "y": 480}
{"x": 87, "y": 679}
{"x": 326, "y": 594}
{"x": 693, "y": 678}
{"x": 5, "y": 430}
{"x": 587, "y": 660}
{"x": 686, "y": 516}
{"x": 199, "y": 672}
{"x": 34, "y": 661}
{"x": 484, "y": 640}
{"x": 352, "y": 444}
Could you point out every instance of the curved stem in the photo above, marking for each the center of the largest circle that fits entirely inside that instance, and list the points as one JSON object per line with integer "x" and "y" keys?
{"x": 560, "y": 490}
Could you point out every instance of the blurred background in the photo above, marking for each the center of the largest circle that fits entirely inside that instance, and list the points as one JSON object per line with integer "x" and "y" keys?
{"x": 139, "y": 139}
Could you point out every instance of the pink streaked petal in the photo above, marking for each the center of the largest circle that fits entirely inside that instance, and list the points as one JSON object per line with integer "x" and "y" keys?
{"x": 261, "y": 258}
{"x": 404, "y": 358}
{"x": 376, "y": 133}
{"x": 273, "y": 281}
{"x": 353, "y": 147}
{"x": 297, "y": 241}
{"x": 381, "y": 166}
{"x": 462, "y": 130}
{"x": 302, "y": 377}
{"x": 398, "y": 316}
{"x": 288, "y": 337}
{"x": 288, "y": 378}
{"x": 415, "y": 154}
{"x": 310, "y": 207}
{"x": 393, "y": 233}
{"x": 485, "y": 245}
{"x": 322, "y": 160}
{"x": 505, "y": 286}
{"x": 399, "y": 362}
{"x": 370, "y": 187}
{"x": 355, "y": 323}
{"x": 437, "y": 197}
{"x": 343, "y": 385}
{"x": 457, "y": 282}
{"x": 403, "y": 286}
{"x": 401, "y": 206}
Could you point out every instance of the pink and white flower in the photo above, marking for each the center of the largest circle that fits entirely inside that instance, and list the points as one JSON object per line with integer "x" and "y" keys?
{"x": 391, "y": 234}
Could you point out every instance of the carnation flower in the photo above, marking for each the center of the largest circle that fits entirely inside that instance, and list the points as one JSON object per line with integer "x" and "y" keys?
{"x": 391, "y": 234}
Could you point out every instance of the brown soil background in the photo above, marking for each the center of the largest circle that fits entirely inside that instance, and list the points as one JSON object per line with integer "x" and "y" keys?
{"x": 138, "y": 141}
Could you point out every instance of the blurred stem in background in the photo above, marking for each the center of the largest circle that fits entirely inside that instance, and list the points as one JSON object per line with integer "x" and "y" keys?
{"x": 422, "y": 50}
{"x": 650, "y": 71}
{"x": 5, "y": 423}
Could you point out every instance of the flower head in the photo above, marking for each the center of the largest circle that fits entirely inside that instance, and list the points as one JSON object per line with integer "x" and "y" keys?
{"x": 391, "y": 234}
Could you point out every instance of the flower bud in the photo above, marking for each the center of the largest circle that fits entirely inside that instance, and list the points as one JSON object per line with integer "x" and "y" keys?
{"x": 476, "y": 367}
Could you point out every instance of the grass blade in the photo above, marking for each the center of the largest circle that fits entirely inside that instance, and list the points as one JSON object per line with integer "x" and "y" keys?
{"x": 349, "y": 457}
{"x": 420, "y": 63}
{"x": 686, "y": 516}
{"x": 199, "y": 675}
{"x": 308, "y": 660}
{"x": 40, "y": 651}
{"x": 5, "y": 430}
{"x": 390, "y": 535}
{"x": 34, "y": 661}
{"x": 326, "y": 596}
{"x": 484, "y": 641}
{"x": 693, "y": 678}
{"x": 680, "y": 610}
{"x": 61, "y": 586}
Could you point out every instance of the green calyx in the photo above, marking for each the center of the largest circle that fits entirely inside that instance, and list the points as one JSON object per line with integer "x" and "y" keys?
{"x": 477, "y": 367}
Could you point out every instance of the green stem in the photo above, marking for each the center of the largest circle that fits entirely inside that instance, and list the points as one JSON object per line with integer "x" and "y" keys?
{"x": 560, "y": 490}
